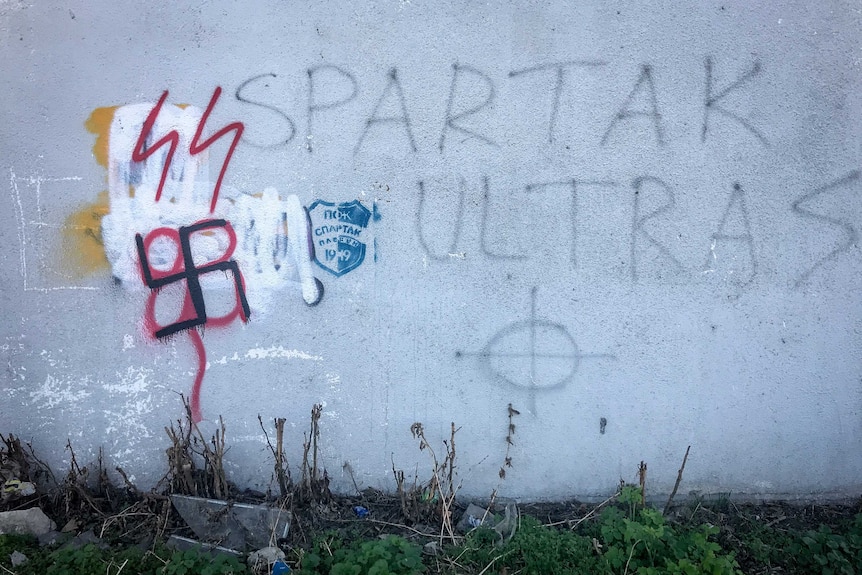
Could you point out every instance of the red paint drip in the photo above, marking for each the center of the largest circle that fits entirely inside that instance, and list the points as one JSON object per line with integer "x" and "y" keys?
{"x": 195, "y": 400}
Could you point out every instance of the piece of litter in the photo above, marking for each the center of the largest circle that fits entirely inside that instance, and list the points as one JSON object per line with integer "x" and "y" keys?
{"x": 361, "y": 511}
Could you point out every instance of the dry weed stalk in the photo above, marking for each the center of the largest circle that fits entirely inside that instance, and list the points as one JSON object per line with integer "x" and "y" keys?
{"x": 188, "y": 444}
{"x": 74, "y": 492}
{"x": 507, "y": 458}
{"x": 282, "y": 473}
{"x": 149, "y": 513}
{"x": 181, "y": 464}
{"x": 408, "y": 504}
{"x": 214, "y": 473}
{"x": 313, "y": 486}
{"x": 281, "y": 469}
{"x": 18, "y": 461}
{"x": 573, "y": 524}
{"x": 441, "y": 488}
{"x": 14, "y": 461}
{"x": 510, "y": 434}
{"x": 87, "y": 495}
{"x": 642, "y": 469}
{"x": 678, "y": 481}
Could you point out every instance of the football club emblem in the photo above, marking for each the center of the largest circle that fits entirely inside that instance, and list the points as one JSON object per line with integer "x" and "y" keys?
{"x": 336, "y": 230}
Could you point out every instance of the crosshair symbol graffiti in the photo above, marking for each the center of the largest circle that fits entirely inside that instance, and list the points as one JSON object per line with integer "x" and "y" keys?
{"x": 535, "y": 354}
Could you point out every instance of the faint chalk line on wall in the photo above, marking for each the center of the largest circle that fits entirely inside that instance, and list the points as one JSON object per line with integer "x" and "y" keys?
{"x": 27, "y": 225}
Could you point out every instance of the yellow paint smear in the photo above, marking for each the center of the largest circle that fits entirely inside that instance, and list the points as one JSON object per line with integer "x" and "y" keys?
{"x": 82, "y": 232}
{"x": 82, "y": 239}
{"x": 99, "y": 123}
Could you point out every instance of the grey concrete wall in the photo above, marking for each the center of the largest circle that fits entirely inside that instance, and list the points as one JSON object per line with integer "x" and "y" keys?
{"x": 638, "y": 223}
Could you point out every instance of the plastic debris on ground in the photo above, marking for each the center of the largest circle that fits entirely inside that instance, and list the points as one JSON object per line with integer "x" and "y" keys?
{"x": 504, "y": 524}
{"x": 17, "y": 488}
{"x": 263, "y": 560}
{"x": 238, "y": 526}
{"x": 361, "y": 511}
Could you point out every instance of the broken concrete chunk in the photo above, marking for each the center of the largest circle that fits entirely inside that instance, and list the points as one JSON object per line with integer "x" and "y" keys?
{"x": 31, "y": 521}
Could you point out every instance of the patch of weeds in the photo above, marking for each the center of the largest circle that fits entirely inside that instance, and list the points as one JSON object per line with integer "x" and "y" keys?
{"x": 68, "y": 561}
{"x": 91, "y": 560}
{"x": 12, "y": 542}
{"x": 320, "y": 557}
{"x": 791, "y": 539}
{"x": 628, "y": 538}
{"x": 392, "y": 555}
{"x": 29, "y": 546}
{"x": 767, "y": 546}
{"x": 832, "y": 553}
{"x": 542, "y": 549}
{"x": 534, "y": 549}
{"x": 638, "y": 539}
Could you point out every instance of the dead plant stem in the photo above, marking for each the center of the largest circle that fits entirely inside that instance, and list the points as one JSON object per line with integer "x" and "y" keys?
{"x": 678, "y": 481}
{"x": 642, "y": 470}
{"x": 631, "y": 553}
{"x": 585, "y": 517}
{"x": 494, "y": 560}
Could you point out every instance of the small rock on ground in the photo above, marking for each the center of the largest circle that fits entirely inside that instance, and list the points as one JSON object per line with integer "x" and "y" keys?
{"x": 17, "y": 558}
{"x": 31, "y": 521}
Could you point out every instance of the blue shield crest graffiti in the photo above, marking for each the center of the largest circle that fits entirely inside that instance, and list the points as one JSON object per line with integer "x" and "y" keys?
{"x": 336, "y": 230}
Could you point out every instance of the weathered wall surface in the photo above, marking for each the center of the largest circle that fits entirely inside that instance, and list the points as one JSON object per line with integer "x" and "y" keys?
{"x": 637, "y": 225}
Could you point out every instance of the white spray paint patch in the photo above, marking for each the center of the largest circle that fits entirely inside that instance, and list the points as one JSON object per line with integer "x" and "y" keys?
{"x": 280, "y": 352}
{"x": 130, "y": 400}
{"x": 334, "y": 380}
{"x": 272, "y": 233}
{"x": 12, "y": 352}
{"x": 128, "y": 342}
{"x": 272, "y": 352}
{"x": 126, "y": 400}
{"x": 56, "y": 392}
